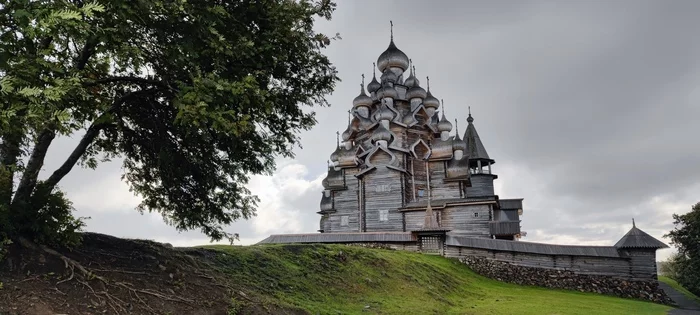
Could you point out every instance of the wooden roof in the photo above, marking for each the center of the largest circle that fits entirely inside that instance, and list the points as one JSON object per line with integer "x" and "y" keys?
{"x": 475, "y": 149}
{"x": 637, "y": 238}
{"x": 442, "y": 203}
{"x": 340, "y": 238}
{"x": 511, "y": 204}
{"x": 534, "y": 248}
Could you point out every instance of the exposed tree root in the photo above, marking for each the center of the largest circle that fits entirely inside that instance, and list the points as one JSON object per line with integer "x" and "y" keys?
{"x": 103, "y": 296}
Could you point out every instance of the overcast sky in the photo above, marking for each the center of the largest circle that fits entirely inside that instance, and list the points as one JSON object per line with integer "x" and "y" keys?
{"x": 590, "y": 109}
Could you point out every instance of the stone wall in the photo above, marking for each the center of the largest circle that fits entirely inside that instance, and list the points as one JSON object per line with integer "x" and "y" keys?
{"x": 563, "y": 279}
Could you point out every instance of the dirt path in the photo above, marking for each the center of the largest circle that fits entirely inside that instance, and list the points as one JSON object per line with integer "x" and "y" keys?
{"x": 686, "y": 306}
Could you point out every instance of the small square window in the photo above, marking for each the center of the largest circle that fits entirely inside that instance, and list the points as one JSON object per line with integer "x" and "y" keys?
{"x": 421, "y": 192}
{"x": 476, "y": 214}
{"x": 344, "y": 220}
{"x": 383, "y": 215}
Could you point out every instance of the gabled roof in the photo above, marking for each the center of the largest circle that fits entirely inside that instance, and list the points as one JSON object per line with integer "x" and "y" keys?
{"x": 475, "y": 149}
{"x": 637, "y": 238}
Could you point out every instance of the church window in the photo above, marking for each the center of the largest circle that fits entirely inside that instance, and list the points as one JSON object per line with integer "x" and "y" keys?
{"x": 383, "y": 215}
{"x": 421, "y": 192}
{"x": 476, "y": 214}
{"x": 344, "y": 220}
{"x": 383, "y": 188}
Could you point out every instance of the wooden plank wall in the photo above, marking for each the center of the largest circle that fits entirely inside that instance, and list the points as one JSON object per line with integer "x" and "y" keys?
{"x": 482, "y": 185}
{"x": 463, "y": 221}
{"x": 640, "y": 265}
{"x": 439, "y": 188}
{"x": 346, "y": 204}
{"x": 643, "y": 263}
{"x": 377, "y": 199}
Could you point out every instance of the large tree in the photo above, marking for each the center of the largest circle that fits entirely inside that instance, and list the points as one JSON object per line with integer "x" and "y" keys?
{"x": 686, "y": 237}
{"x": 194, "y": 96}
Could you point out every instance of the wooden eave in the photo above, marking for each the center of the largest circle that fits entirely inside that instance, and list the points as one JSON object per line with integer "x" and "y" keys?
{"x": 445, "y": 205}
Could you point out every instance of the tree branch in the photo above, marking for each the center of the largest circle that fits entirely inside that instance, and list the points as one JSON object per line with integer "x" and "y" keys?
{"x": 89, "y": 137}
{"x": 85, "y": 54}
{"x": 36, "y": 161}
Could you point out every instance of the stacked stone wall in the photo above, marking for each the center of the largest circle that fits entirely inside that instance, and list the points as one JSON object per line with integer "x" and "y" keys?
{"x": 564, "y": 279}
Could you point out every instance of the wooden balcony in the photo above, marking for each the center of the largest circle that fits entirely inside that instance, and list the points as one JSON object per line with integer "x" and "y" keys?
{"x": 504, "y": 227}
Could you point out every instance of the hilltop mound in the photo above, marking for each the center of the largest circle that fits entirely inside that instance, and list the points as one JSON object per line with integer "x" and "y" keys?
{"x": 143, "y": 277}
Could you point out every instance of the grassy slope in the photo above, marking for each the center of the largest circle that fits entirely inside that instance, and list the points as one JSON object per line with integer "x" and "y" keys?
{"x": 333, "y": 279}
{"x": 678, "y": 287}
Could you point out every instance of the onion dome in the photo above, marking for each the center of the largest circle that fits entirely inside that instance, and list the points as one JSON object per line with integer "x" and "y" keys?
{"x": 444, "y": 124}
{"x": 430, "y": 100}
{"x": 381, "y": 133}
{"x": 336, "y": 154}
{"x": 374, "y": 85}
{"x": 349, "y": 131}
{"x": 414, "y": 89}
{"x": 411, "y": 81}
{"x": 388, "y": 76}
{"x": 385, "y": 113}
{"x": 457, "y": 142}
{"x": 392, "y": 57}
{"x": 362, "y": 99}
{"x": 387, "y": 91}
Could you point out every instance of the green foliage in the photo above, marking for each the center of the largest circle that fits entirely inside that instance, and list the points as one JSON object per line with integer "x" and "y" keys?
{"x": 686, "y": 237}
{"x": 339, "y": 279}
{"x": 194, "y": 97}
{"x": 669, "y": 268}
{"x": 51, "y": 220}
{"x": 234, "y": 308}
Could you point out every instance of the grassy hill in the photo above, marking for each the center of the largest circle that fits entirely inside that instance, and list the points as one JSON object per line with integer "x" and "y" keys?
{"x": 141, "y": 277}
{"x": 336, "y": 279}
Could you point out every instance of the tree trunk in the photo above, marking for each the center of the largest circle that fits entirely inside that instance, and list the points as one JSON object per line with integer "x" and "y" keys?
{"x": 31, "y": 171}
{"x": 9, "y": 154}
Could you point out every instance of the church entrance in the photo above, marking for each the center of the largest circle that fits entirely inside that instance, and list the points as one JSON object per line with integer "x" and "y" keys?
{"x": 432, "y": 244}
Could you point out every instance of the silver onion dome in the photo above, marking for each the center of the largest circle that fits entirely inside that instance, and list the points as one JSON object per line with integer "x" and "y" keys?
{"x": 459, "y": 144}
{"x": 336, "y": 154}
{"x": 444, "y": 124}
{"x": 388, "y": 76}
{"x": 362, "y": 99}
{"x": 430, "y": 100}
{"x": 416, "y": 92}
{"x": 385, "y": 113}
{"x": 347, "y": 133}
{"x": 374, "y": 85}
{"x": 392, "y": 57}
{"x": 412, "y": 80}
{"x": 381, "y": 133}
{"x": 387, "y": 91}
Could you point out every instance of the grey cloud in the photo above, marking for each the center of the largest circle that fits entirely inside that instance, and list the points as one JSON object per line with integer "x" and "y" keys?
{"x": 589, "y": 107}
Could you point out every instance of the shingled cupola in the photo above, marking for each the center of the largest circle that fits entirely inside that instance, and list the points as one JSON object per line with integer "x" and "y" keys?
{"x": 479, "y": 162}
{"x": 640, "y": 248}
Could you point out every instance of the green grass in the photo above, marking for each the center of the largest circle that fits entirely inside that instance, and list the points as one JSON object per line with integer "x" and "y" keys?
{"x": 338, "y": 279}
{"x": 679, "y": 288}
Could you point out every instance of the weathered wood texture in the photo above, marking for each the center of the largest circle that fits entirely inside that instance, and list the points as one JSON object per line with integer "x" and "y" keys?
{"x": 504, "y": 227}
{"x": 346, "y": 204}
{"x": 633, "y": 264}
{"x": 482, "y": 185}
{"x": 383, "y": 194}
{"x": 643, "y": 262}
{"x": 467, "y": 220}
{"x": 381, "y": 237}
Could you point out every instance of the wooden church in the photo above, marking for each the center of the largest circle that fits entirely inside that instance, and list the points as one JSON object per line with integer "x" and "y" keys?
{"x": 402, "y": 166}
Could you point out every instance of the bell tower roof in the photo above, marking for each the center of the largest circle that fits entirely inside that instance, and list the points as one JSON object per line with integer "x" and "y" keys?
{"x": 475, "y": 148}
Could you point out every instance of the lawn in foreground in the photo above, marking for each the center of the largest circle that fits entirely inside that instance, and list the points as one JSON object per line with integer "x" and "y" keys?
{"x": 333, "y": 279}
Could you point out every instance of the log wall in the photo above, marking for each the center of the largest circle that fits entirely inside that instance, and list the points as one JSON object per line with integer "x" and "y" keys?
{"x": 632, "y": 265}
